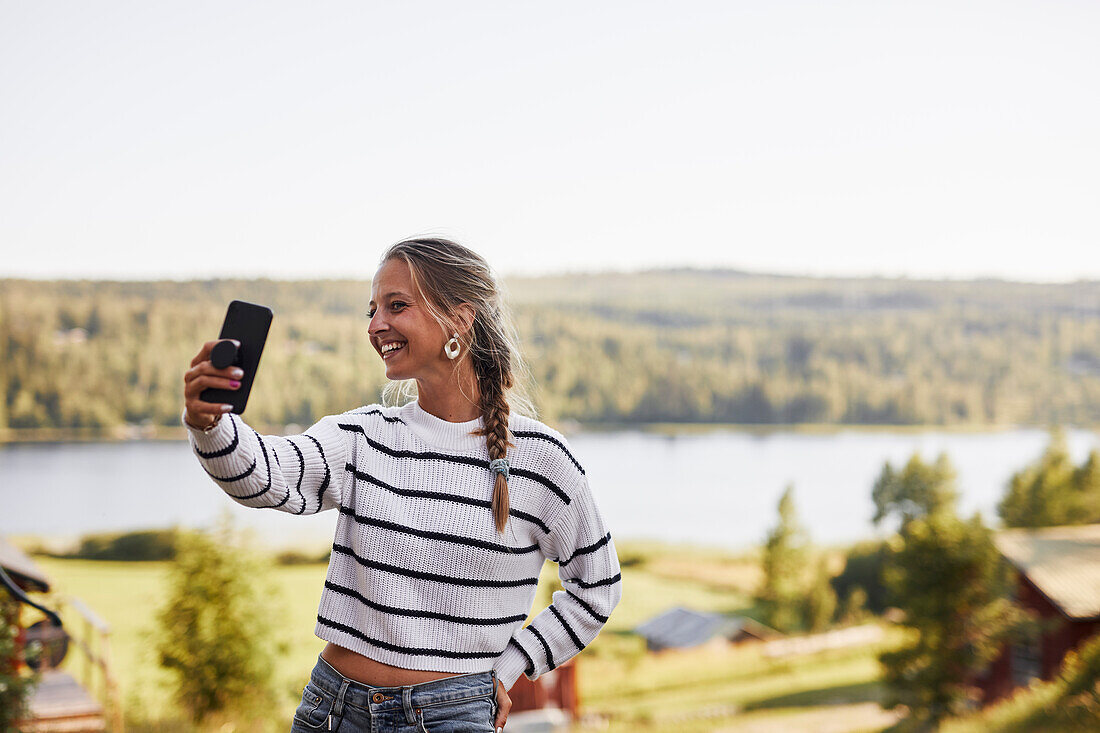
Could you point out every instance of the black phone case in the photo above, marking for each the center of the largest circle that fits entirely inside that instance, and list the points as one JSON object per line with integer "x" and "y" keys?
{"x": 249, "y": 324}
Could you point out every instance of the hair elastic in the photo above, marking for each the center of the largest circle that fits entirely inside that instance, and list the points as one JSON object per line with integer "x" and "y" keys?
{"x": 499, "y": 465}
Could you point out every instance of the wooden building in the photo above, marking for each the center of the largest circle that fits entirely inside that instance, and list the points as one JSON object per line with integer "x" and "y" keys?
{"x": 1058, "y": 578}
{"x": 683, "y": 628}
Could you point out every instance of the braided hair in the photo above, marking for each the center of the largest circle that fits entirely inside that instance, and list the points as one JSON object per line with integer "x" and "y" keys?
{"x": 446, "y": 274}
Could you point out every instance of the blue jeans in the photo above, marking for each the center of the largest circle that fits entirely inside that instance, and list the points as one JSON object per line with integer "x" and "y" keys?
{"x": 462, "y": 704}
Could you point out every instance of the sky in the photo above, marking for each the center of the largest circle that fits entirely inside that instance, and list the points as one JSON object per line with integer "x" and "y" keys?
{"x": 296, "y": 140}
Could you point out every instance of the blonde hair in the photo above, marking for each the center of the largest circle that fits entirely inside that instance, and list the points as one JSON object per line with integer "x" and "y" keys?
{"x": 445, "y": 274}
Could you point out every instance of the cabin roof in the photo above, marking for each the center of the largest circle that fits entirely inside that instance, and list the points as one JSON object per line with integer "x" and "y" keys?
{"x": 682, "y": 628}
{"x": 1062, "y": 562}
{"x": 21, "y": 568}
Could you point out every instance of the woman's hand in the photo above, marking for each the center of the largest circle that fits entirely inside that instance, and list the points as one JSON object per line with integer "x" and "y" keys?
{"x": 202, "y": 375}
{"x": 504, "y": 704}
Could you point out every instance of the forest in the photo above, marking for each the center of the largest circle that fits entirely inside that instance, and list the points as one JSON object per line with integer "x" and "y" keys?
{"x": 105, "y": 359}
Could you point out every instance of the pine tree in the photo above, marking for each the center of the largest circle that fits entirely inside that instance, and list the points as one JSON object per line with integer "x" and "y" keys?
{"x": 784, "y": 565}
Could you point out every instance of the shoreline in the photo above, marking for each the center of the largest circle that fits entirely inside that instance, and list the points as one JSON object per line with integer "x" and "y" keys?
{"x": 144, "y": 433}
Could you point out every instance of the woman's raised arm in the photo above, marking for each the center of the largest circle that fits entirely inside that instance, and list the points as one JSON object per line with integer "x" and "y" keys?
{"x": 300, "y": 474}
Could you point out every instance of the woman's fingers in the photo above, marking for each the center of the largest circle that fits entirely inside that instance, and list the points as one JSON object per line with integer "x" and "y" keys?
{"x": 205, "y": 368}
{"x": 504, "y": 704}
{"x": 202, "y": 376}
{"x": 210, "y": 409}
{"x": 195, "y": 386}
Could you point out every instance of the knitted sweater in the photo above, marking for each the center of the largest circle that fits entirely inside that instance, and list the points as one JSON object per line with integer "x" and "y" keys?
{"x": 419, "y": 578}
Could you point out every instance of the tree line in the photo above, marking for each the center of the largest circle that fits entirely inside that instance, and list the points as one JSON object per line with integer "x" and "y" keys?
{"x": 660, "y": 346}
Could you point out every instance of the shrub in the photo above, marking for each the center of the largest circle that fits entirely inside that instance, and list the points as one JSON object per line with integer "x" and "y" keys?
{"x": 214, "y": 629}
{"x": 16, "y": 685}
{"x": 158, "y": 544}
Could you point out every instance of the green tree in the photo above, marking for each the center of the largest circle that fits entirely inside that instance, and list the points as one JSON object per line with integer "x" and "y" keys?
{"x": 214, "y": 630}
{"x": 821, "y": 600}
{"x": 918, "y": 490}
{"x": 948, "y": 578}
{"x": 784, "y": 562}
{"x": 1052, "y": 492}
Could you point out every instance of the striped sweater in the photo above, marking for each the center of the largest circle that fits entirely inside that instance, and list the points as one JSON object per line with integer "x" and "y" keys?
{"x": 419, "y": 578}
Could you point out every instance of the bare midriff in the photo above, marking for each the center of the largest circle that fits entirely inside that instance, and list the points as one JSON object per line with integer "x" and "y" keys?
{"x": 355, "y": 666}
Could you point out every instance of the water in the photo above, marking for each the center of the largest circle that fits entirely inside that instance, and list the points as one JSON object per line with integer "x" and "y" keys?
{"x": 715, "y": 488}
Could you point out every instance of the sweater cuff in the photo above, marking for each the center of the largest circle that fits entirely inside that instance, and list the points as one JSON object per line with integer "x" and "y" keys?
{"x": 509, "y": 666}
{"x": 219, "y": 437}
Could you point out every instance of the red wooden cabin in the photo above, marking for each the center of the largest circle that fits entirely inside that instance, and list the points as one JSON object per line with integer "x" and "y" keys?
{"x": 1058, "y": 578}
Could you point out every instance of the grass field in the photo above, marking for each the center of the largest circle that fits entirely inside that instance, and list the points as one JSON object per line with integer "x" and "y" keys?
{"x": 622, "y": 687}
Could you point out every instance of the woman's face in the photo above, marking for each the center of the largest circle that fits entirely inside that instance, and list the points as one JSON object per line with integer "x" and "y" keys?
{"x": 399, "y": 319}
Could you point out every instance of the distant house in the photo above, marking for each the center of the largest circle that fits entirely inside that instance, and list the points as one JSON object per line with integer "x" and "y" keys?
{"x": 1058, "y": 578}
{"x": 683, "y": 628}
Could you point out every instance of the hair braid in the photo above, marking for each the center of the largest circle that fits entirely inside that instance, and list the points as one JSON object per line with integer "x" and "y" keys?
{"x": 492, "y": 365}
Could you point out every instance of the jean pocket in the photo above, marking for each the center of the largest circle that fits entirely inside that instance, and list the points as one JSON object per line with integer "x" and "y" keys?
{"x": 473, "y": 715}
{"x": 313, "y": 712}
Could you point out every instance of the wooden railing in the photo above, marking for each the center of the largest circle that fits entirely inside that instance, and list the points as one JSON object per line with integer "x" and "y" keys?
{"x": 94, "y": 642}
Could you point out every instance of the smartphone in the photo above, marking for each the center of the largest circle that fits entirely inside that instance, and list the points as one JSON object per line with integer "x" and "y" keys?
{"x": 248, "y": 323}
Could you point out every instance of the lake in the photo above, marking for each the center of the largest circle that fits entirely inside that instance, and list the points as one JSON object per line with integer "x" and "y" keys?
{"x": 714, "y": 487}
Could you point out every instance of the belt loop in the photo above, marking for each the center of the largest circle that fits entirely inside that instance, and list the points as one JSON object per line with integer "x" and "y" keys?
{"x": 338, "y": 706}
{"x": 407, "y": 703}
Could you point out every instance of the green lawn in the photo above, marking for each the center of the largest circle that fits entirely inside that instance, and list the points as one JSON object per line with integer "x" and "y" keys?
{"x": 621, "y": 684}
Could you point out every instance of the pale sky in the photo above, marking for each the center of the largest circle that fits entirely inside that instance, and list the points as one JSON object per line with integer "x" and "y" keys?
{"x": 298, "y": 139}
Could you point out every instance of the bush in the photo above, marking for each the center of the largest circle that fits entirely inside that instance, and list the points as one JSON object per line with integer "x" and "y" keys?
{"x": 214, "y": 630}
{"x": 863, "y": 569}
{"x": 159, "y": 544}
{"x": 16, "y": 685}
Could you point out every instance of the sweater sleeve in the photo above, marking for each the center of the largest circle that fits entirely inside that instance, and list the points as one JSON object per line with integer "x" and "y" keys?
{"x": 592, "y": 586}
{"x": 300, "y": 474}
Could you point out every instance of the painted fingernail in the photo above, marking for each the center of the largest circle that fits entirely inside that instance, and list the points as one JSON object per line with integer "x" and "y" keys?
{"x": 227, "y": 408}
{"x": 234, "y": 384}
{"x": 238, "y": 373}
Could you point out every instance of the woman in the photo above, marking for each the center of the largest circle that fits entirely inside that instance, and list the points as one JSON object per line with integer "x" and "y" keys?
{"x": 448, "y": 506}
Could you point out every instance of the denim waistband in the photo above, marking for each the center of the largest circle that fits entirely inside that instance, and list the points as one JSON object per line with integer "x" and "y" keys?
{"x": 406, "y": 697}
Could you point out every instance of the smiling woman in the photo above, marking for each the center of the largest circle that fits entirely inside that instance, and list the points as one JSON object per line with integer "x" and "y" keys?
{"x": 449, "y": 505}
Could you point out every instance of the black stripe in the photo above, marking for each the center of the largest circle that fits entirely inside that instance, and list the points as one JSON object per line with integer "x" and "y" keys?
{"x": 267, "y": 464}
{"x": 606, "y": 581}
{"x": 415, "y": 651}
{"x": 466, "y": 460}
{"x": 328, "y": 474}
{"x": 530, "y": 662}
{"x": 591, "y": 612}
{"x": 472, "y": 582}
{"x": 364, "y": 476}
{"x": 550, "y": 438}
{"x": 227, "y": 449}
{"x": 301, "y": 474}
{"x": 383, "y": 415}
{"x": 443, "y": 536}
{"x": 416, "y": 613}
{"x": 587, "y": 549}
{"x": 567, "y": 627}
{"x": 545, "y": 646}
{"x": 231, "y": 479}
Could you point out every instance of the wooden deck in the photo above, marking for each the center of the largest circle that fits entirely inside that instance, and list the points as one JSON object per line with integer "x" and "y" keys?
{"x": 61, "y": 704}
